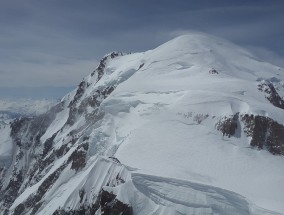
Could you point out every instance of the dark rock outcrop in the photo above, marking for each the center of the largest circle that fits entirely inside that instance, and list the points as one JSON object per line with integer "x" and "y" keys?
{"x": 213, "y": 71}
{"x": 12, "y": 190}
{"x": 228, "y": 125}
{"x": 265, "y": 133}
{"x": 102, "y": 64}
{"x": 106, "y": 202}
{"x": 93, "y": 101}
{"x": 48, "y": 144}
{"x": 271, "y": 94}
{"x": 78, "y": 157}
{"x": 112, "y": 206}
{"x": 80, "y": 91}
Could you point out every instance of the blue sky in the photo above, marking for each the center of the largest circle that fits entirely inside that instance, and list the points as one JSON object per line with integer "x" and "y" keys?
{"x": 52, "y": 43}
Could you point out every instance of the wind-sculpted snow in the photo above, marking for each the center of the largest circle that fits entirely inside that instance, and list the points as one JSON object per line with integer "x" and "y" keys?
{"x": 184, "y": 197}
{"x": 194, "y": 126}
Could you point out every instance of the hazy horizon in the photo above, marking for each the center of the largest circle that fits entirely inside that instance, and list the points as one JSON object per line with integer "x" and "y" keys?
{"x": 45, "y": 92}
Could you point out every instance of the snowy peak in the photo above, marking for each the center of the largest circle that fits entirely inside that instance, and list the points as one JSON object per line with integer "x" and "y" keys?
{"x": 191, "y": 127}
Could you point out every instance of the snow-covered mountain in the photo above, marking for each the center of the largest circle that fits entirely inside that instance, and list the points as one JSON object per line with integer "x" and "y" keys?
{"x": 194, "y": 126}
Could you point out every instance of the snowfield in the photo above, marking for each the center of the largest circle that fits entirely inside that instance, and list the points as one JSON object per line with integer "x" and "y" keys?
{"x": 145, "y": 129}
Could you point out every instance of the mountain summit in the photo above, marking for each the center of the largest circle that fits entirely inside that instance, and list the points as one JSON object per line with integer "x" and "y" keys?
{"x": 194, "y": 126}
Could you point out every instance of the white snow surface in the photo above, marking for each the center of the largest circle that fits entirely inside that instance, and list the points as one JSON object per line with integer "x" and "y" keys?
{"x": 160, "y": 124}
{"x": 174, "y": 81}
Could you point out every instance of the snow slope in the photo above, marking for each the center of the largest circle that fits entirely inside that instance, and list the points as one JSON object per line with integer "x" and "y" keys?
{"x": 174, "y": 82}
{"x": 143, "y": 134}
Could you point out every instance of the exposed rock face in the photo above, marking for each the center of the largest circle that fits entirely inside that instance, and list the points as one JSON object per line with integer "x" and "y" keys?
{"x": 12, "y": 190}
{"x": 106, "y": 202}
{"x": 271, "y": 94}
{"x": 213, "y": 71}
{"x": 100, "y": 69}
{"x": 265, "y": 133}
{"x": 110, "y": 205}
{"x": 229, "y": 125}
{"x": 78, "y": 157}
{"x": 95, "y": 100}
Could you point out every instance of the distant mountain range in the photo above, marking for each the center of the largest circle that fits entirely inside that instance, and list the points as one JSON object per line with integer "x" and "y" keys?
{"x": 11, "y": 109}
{"x": 34, "y": 92}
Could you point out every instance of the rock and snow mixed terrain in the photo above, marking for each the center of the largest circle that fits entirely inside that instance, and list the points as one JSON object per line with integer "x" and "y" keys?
{"x": 194, "y": 126}
{"x": 10, "y": 109}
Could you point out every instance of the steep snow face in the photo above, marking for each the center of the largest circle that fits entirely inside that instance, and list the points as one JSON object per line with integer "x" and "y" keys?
{"x": 174, "y": 130}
